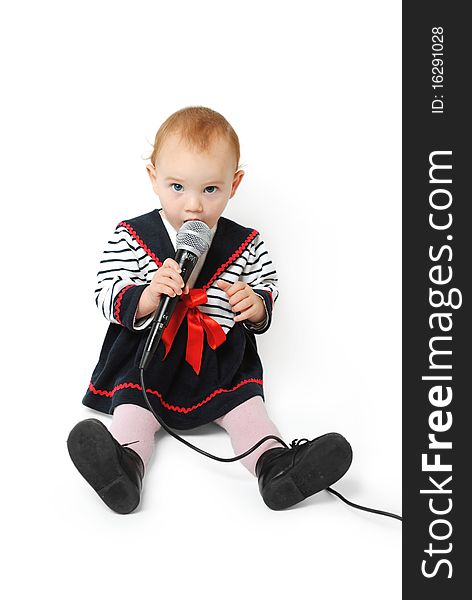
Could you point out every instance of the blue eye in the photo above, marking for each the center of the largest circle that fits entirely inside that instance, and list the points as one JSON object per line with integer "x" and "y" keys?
{"x": 180, "y": 187}
{"x": 213, "y": 187}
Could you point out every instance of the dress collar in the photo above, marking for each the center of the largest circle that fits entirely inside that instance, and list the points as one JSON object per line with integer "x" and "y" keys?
{"x": 151, "y": 233}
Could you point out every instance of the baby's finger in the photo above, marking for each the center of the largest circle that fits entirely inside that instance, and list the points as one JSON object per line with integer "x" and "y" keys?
{"x": 170, "y": 262}
{"x": 230, "y": 288}
{"x": 244, "y": 315}
{"x": 172, "y": 281}
{"x": 242, "y": 305}
{"x": 166, "y": 290}
{"x": 237, "y": 297}
{"x": 178, "y": 286}
{"x": 171, "y": 273}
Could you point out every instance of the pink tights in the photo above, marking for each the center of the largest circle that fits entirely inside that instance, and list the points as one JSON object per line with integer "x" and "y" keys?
{"x": 246, "y": 424}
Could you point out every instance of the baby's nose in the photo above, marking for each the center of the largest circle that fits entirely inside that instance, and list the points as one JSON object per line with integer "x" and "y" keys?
{"x": 193, "y": 203}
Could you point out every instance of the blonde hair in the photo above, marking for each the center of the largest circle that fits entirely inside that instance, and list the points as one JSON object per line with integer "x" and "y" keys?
{"x": 198, "y": 127}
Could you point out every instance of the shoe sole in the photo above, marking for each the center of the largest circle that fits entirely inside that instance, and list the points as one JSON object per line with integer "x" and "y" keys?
{"x": 95, "y": 455}
{"x": 325, "y": 461}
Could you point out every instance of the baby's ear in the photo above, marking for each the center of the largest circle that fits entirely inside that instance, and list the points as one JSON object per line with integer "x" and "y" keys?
{"x": 236, "y": 181}
{"x": 151, "y": 171}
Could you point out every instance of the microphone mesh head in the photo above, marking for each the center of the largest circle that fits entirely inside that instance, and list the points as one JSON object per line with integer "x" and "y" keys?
{"x": 194, "y": 236}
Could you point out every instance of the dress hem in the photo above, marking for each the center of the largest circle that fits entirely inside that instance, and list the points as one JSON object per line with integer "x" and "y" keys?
{"x": 184, "y": 419}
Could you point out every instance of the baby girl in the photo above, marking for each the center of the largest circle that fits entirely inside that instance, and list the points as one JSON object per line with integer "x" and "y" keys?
{"x": 207, "y": 368}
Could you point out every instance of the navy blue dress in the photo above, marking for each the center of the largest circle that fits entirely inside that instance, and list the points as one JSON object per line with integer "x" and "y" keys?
{"x": 229, "y": 374}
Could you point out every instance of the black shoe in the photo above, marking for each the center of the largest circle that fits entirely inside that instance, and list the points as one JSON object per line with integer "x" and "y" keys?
{"x": 289, "y": 475}
{"x": 114, "y": 471}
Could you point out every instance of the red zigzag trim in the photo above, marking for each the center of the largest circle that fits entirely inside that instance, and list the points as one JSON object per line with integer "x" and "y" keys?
{"x": 180, "y": 409}
{"x": 118, "y": 302}
{"x": 232, "y": 258}
{"x": 140, "y": 242}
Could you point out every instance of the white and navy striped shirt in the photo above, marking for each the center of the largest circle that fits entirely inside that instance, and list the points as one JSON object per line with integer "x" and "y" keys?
{"x": 124, "y": 262}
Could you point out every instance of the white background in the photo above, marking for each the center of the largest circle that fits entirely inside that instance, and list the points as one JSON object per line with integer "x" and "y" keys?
{"x": 313, "y": 91}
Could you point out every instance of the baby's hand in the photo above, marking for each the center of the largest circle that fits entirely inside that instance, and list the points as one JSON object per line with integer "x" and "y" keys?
{"x": 243, "y": 299}
{"x": 167, "y": 280}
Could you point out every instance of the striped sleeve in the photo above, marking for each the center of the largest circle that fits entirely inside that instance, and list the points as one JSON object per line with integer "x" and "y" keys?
{"x": 121, "y": 280}
{"x": 259, "y": 272}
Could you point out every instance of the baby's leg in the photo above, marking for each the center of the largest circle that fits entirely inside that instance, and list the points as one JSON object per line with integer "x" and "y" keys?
{"x": 246, "y": 425}
{"x": 131, "y": 423}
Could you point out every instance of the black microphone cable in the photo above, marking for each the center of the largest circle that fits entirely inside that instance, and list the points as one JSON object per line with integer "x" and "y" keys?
{"x": 261, "y": 441}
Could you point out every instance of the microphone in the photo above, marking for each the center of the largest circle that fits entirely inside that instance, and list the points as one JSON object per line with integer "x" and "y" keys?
{"x": 193, "y": 239}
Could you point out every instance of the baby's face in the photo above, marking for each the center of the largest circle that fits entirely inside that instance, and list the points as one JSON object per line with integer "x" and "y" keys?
{"x": 192, "y": 184}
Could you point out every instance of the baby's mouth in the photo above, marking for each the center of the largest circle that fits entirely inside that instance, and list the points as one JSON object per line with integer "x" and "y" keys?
{"x": 186, "y": 220}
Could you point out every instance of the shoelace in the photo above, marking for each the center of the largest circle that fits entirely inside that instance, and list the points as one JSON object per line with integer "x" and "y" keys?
{"x": 296, "y": 444}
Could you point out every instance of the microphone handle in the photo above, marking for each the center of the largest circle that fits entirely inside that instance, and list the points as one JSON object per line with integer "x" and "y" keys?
{"x": 186, "y": 261}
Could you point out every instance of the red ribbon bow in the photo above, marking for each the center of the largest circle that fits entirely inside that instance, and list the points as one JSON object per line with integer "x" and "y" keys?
{"x": 198, "y": 322}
